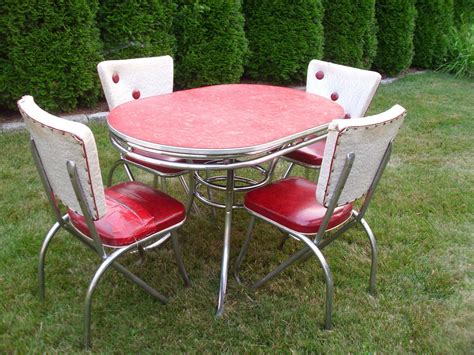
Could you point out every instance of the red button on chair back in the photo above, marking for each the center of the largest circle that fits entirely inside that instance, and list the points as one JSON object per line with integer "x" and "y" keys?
{"x": 352, "y": 88}
{"x": 130, "y": 79}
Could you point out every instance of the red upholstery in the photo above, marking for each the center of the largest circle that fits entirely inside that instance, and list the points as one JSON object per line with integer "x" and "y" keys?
{"x": 311, "y": 154}
{"x": 292, "y": 203}
{"x": 157, "y": 167}
{"x": 134, "y": 211}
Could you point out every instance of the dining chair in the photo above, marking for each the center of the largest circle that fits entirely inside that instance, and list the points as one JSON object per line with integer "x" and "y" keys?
{"x": 355, "y": 156}
{"x": 132, "y": 79}
{"x": 351, "y": 88}
{"x": 111, "y": 221}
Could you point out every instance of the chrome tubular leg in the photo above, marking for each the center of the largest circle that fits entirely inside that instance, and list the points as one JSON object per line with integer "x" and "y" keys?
{"x": 186, "y": 189}
{"x": 110, "y": 261}
{"x": 44, "y": 247}
{"x": 190, "y": 200}
{"x": 288, "y": 171}
{"x": 179, "y": 258}
{"x": 280, "y": 268}
{"x": 163, "y": 183}
{"x": 283, "y": 240}
{"x": 128, "y": 171}
{"x": 328, "y": 278}
{"x": 373, "y": 247}
{"x": 244, "y": 249}
{"x": 90, "y": 291}
{"x": 227, "y": 235}
{"x": 112, "y": 170}
{"x": 209, "y": 195}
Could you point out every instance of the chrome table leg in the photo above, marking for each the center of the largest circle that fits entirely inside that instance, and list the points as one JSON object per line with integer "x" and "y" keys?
{"x": 229, "y": 202}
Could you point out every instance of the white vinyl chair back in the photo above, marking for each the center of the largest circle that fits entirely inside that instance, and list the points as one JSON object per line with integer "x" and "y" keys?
{"x": 368, "y": 138}
{"x": 131, "y": 79}
{"x": 351, "y": 88}
{"x": 58, "y": 141}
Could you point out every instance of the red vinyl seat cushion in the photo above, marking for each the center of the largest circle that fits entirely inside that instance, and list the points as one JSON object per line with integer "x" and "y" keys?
{"x": 311, "y": 154}
{"x": 156, "y": 166}
{"x": 134, "y": 211}
{"x": 292, "y": 203}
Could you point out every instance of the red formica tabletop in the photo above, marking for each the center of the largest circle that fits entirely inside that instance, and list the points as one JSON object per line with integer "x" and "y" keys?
{"x": 236, "y": 118}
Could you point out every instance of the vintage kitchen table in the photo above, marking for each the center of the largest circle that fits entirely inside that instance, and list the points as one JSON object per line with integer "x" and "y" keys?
{"x": 222, "y": 127}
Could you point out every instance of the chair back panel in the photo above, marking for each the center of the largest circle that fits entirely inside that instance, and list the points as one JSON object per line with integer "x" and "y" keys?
{"x": 131, "y": 79}
{"x": 351, "y": 88}
{"x": 368, "y": 138}
{"x": 57, "y": 141}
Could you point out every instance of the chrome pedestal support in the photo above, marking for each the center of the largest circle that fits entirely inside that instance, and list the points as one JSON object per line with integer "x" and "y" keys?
{"x": 229, "y": 204}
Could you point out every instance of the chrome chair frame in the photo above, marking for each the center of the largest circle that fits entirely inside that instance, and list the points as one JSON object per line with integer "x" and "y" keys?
{"x": 320, "y": 240}
{"x": 96, "y": 244}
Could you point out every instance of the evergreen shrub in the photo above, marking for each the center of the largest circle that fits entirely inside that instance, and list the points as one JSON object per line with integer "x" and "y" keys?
{"x": 211, "y": 42}
{"x": 463, "y": 12}
{"x": 134, "y": 29}
{"x": 49, "y": 50}
{"x": 283, "y": 37}
{"x": 396, "y": 25}
{"x": 350, "y": 32}
{"x": 433, "y": 24}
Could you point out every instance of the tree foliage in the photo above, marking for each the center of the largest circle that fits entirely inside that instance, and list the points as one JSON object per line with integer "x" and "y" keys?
{"x": 283, "y": 37}
{"x": 211, "y": 42}
{"x": 396, "y": 25}
{"x": 350, "y": 32}
{"x": 49, "y": 50}
{"x": 433, "y": 24}
{"x": 133, "y": 29}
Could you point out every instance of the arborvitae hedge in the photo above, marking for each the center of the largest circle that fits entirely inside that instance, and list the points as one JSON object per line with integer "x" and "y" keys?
{"x": 49, "y": 50}
{"x": 463, "y": 12}
{"x": 433, "y": 23}
{"x": 396, "y": 24}
{"x": 139, "y": 28}
{"x": 283, "y": 37}
{"x": 350, "y": 32}
{"x": 211, "y": 42}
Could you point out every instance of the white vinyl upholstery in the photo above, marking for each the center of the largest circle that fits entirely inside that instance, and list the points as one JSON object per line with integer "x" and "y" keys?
{"x": 58, "y": 141}
{"x": 351, "y": 88}
{"x": 368, "y": 139}
{"x": 130, "y": 79}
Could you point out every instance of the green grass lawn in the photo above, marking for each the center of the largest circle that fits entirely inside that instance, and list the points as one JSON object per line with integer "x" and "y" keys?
{"x": 422, "y": 214}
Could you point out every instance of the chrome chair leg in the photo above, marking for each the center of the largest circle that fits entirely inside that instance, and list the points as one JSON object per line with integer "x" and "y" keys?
{"x": 288, "y": 171}
{"x": 280, "y": 268}
{"x": 374, "y": 262}
{"x": 163, "y": 184}
{"x": 186, "y": 189}
{"x": 243, "y": 250}
{"x": 324, "y": 265}
{"x": 42, "y": 255}
{"x": 209, "y": 195}
{"x": 283, "y": 240}
{"x": 179, "y": 258}
{"x": 128, "y": 171}
{"x": 110, "y": 261}
{"x": 327, "y": 276}
{"x": 190, "y": 190}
